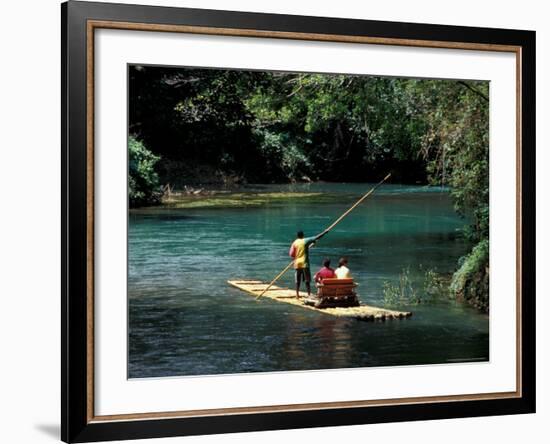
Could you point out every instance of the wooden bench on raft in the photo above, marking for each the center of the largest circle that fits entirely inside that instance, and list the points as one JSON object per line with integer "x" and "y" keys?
{"x": 333, "y": 292}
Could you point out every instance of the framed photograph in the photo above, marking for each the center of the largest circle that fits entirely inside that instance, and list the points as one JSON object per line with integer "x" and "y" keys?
{"x": 275, "y": 221}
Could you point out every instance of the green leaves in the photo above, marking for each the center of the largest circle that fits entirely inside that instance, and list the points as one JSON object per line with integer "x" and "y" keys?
{"x": 143, "y": 182}
{"x": 471, "y": 281}
{"x": 406, "y": 291}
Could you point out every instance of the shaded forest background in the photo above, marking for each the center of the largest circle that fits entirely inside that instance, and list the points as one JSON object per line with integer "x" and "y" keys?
{"x": 225, "y": 127}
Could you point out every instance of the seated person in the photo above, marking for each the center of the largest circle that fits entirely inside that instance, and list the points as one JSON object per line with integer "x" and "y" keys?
{"x": 325, "y": 272}
{"x": 342, "y": 272}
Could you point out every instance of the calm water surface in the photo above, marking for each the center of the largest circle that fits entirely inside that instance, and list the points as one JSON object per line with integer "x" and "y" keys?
{"x": 185, "y": 320}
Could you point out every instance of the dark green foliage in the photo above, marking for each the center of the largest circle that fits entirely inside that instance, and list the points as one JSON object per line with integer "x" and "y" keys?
{"x": 143, "y": 182}
{"x": 457, "y": 146}
{"x": 197, "y": 117}
{"x": 471, "y": 281}
{"x": 350, "y": 128}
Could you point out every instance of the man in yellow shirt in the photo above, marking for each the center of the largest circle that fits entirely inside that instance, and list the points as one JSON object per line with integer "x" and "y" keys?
{"x": 299, "y": 250}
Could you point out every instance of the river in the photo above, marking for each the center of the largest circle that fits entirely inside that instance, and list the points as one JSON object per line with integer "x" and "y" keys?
{"x": 185, "y": 320}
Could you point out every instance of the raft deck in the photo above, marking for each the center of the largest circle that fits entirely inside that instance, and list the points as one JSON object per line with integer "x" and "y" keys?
{"x": 288, "y": 296}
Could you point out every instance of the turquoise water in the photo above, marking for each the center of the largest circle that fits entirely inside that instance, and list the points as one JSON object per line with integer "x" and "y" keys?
{"x": 185, "y": 320}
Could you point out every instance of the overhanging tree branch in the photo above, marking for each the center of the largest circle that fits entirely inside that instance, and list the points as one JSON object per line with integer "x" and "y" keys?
{"x": 474, "y": 90}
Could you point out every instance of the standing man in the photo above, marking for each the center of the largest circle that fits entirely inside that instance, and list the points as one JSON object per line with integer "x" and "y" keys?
{"x": 299, "y": 251}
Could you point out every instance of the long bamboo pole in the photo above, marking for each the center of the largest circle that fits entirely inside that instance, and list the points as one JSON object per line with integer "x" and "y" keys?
{"x": 330, "y": 227}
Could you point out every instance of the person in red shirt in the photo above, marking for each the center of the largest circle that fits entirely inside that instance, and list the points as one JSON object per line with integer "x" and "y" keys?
{"x": 325, "y": 272}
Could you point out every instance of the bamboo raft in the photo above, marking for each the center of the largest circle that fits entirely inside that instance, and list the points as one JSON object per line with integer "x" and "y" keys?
{"x": 288, "y": 296}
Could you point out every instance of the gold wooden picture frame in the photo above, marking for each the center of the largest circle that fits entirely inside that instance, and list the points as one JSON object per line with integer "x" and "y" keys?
{"x": 80, "y": 22}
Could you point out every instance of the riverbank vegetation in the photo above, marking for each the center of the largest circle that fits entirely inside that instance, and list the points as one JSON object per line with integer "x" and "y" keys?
{"x": 143, "y": 180}
{"x": 200, "y": 127}
{"x": 432, "y": 288}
